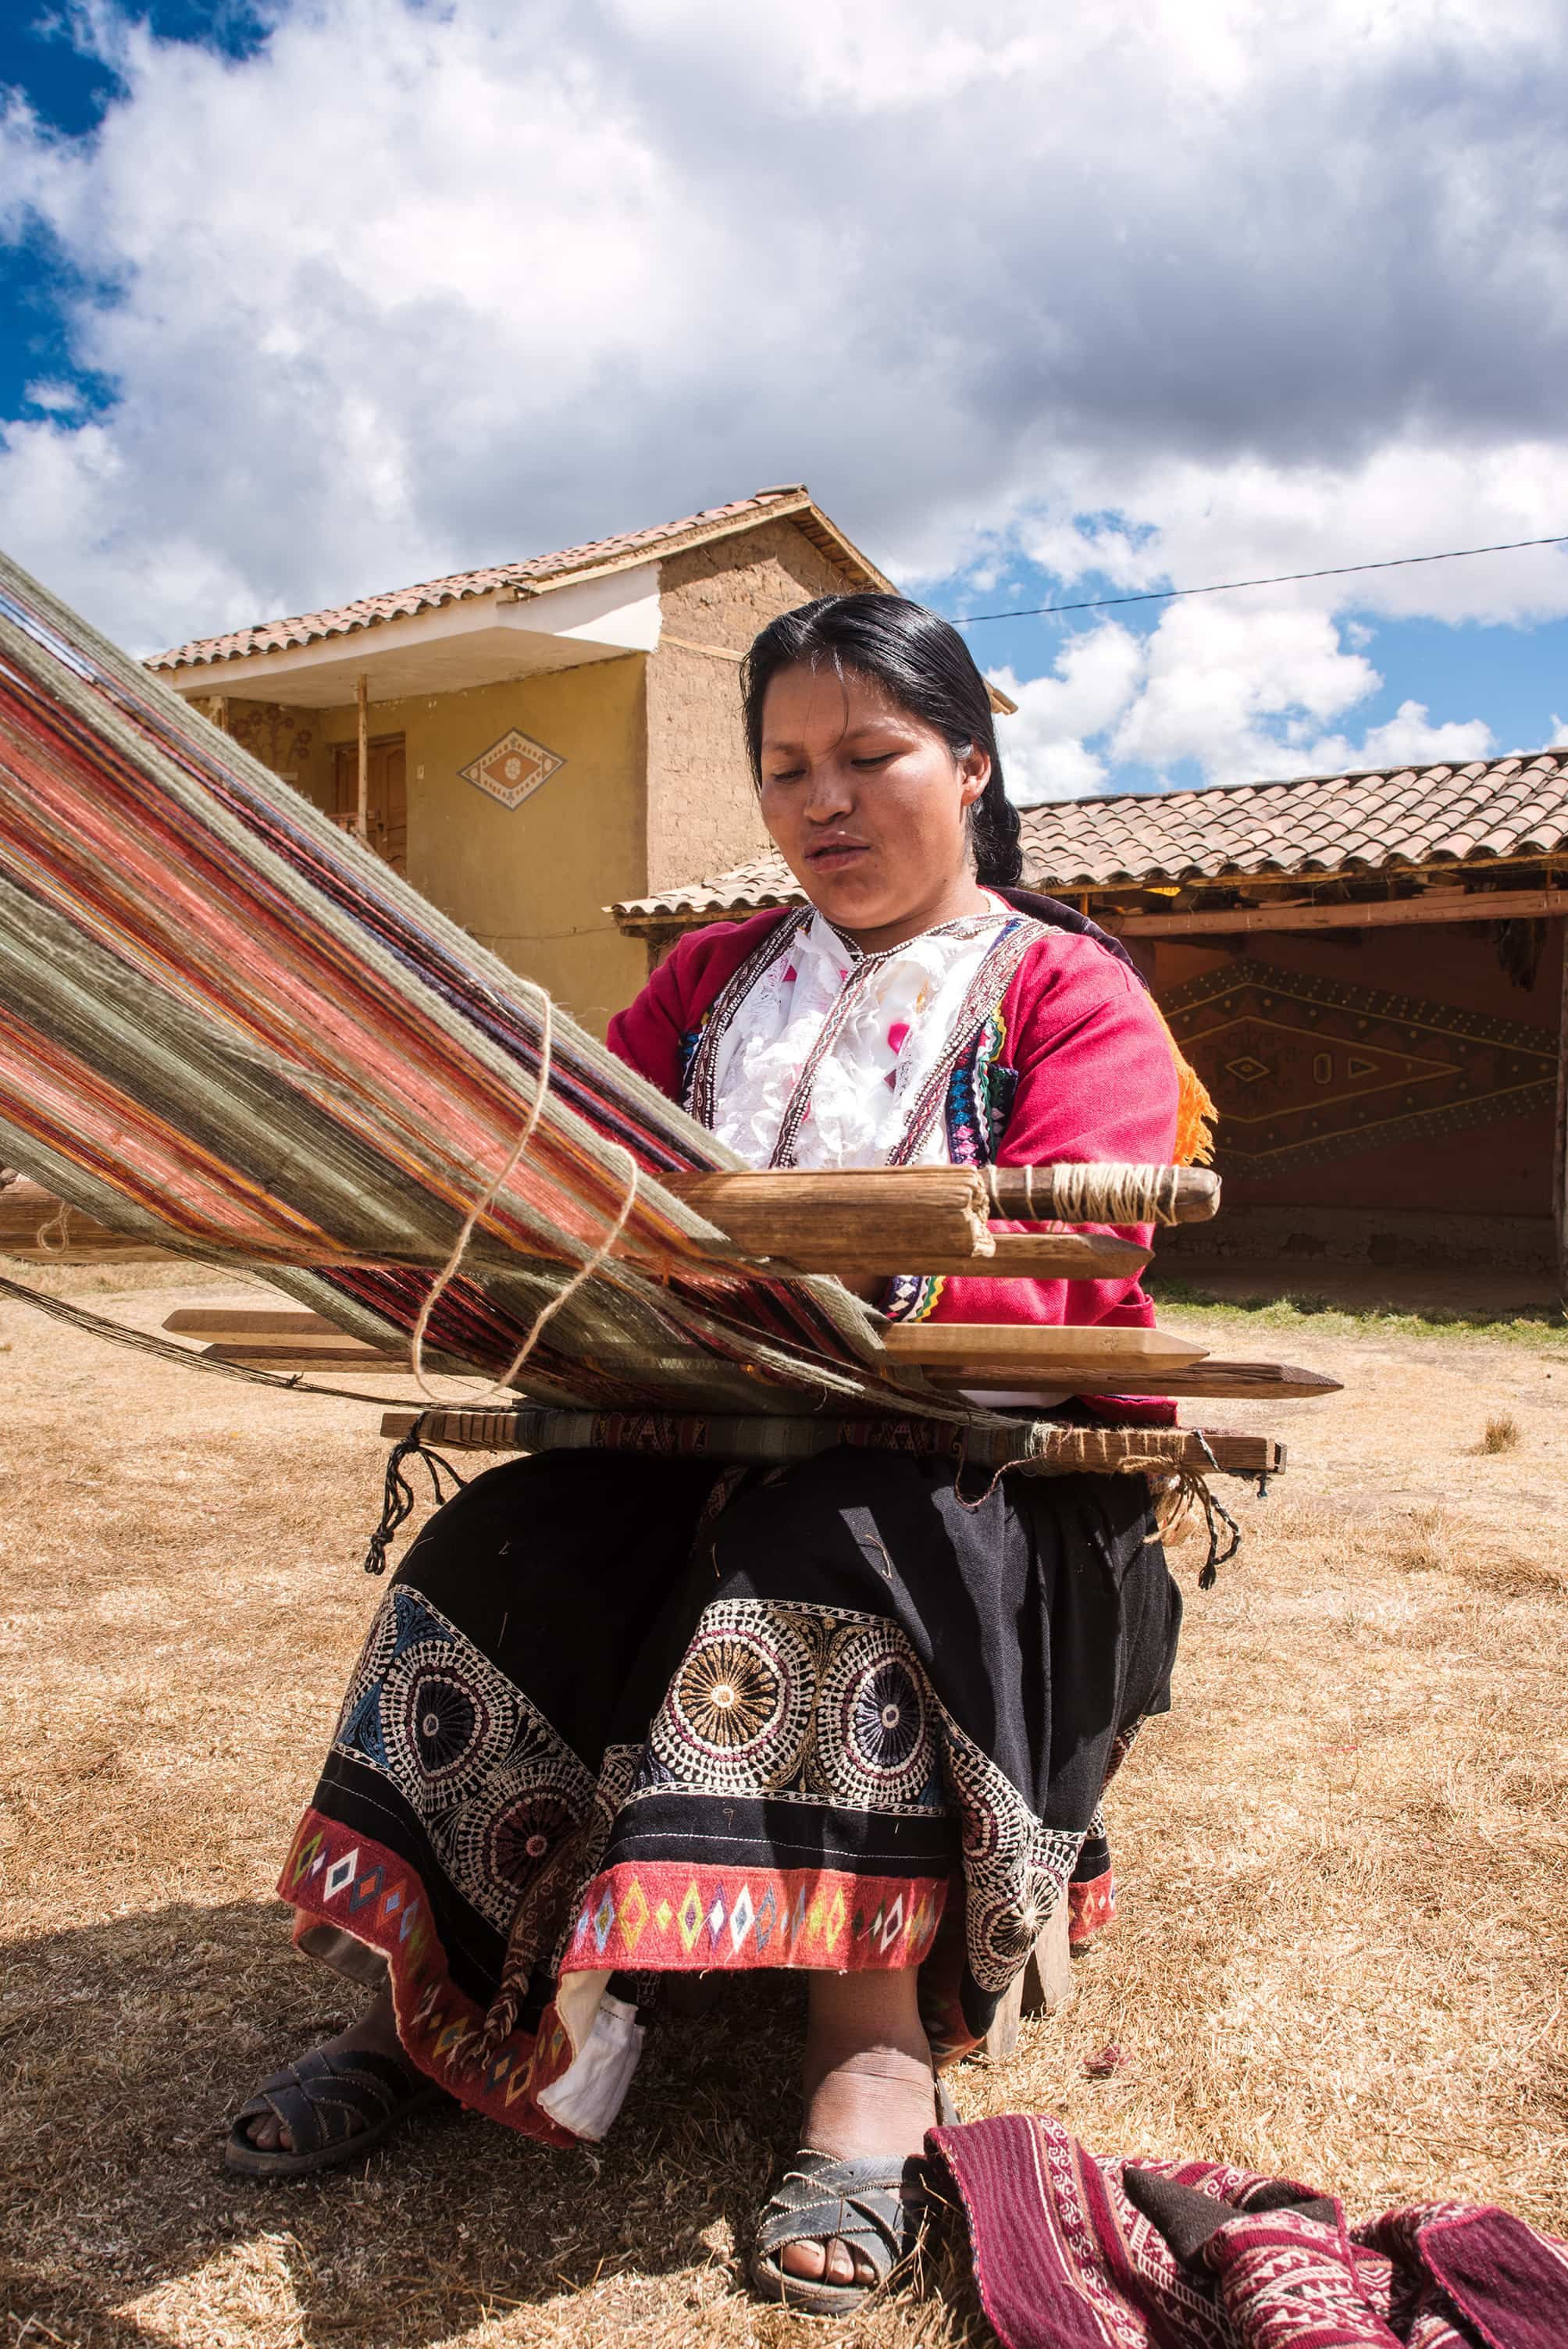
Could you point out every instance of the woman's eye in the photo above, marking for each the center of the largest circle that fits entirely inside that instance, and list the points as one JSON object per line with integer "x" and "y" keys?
{"x": 882, "y": 758}
{"x": 787, "y": 775}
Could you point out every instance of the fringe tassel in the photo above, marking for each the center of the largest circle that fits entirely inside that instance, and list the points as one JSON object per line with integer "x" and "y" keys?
{"x": 397, "y": 1494}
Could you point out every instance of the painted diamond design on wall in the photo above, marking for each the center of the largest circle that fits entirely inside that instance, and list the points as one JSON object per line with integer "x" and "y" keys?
{"x": 512, "y": 769}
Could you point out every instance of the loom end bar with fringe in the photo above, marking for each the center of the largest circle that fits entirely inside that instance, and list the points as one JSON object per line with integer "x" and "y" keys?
{"x": 1038, "y": 1447}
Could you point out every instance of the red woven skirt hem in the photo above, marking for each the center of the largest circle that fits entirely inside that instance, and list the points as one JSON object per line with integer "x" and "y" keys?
{"x": 668, "y": 1917}
{"x": 336, "y": 1877}
{"x": 1091, "y": 1907}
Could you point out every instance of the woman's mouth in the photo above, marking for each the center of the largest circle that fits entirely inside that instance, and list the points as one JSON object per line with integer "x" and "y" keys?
{"x": 833, "y": 856}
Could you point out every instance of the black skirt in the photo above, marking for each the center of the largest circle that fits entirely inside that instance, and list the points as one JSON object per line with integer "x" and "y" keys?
{"x": 622, "y": 1716}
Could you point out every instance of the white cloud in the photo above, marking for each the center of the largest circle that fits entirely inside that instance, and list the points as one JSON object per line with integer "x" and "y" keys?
{"x": 1408, "y": 739}
{"x": 1043, "y": 747}
{"x": 1260, "y": 284}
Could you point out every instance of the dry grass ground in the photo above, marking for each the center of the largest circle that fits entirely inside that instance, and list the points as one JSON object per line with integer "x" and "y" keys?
{"x": 1343, "y": 1858}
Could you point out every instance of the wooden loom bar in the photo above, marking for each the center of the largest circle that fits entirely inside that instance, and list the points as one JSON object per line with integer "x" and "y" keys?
{"x": 876, "y": 1221}
{"x": 1379, "y": 913}
{"x": 1560, "y": 1134}
{"x": 1020, "y": 1349}
{"x": 362, "y": 781}
{"x": 1033, "y": 1347}
{"x": 1216, "y": 1381}
{"x": 1041, "y": 1385}
{"x": 790, "y": 1214}
{"x": 28, "y": 1212}
{"x": 1242, "y": 1455}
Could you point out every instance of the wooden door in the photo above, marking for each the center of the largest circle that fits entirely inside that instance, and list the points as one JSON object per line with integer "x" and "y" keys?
{"x": 387, "y": 805}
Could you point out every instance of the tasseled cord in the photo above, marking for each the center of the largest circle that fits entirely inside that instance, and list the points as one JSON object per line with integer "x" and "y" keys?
{"x": 1185, "y": 1489}
{"x": 397, "y": 1494}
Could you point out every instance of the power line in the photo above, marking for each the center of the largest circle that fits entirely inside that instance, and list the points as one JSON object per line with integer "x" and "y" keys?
{"x": 1282, "y": 579}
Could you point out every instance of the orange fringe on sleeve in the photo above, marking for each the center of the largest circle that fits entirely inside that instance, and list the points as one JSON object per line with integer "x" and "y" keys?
{"x": 1195, "y": 1111}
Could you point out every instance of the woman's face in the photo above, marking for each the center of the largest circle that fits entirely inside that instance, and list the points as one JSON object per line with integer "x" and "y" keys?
{"x": 868, "y": 806}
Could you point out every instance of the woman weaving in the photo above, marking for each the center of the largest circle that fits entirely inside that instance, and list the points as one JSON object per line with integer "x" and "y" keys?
{"x": 622, "y": 1715}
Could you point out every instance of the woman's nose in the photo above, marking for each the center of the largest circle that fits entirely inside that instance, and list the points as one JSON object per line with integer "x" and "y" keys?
{"x": 828, "y": 793}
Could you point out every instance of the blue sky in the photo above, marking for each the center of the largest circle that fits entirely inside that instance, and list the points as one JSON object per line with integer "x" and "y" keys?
{"x": 319, "y": 296}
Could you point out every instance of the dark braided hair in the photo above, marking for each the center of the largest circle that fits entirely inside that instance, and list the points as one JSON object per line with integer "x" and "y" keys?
{"x": 923, "y": 664}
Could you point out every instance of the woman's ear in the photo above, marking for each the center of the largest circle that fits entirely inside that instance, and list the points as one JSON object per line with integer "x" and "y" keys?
{"x": 974, "y": 774}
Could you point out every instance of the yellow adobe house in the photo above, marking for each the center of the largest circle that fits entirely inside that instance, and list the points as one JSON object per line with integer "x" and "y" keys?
{"x": 535, "y": 741}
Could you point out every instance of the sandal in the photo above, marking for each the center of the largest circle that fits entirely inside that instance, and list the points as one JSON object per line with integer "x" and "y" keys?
{"x": 876, "y": 2206}
{"x": 333, "y": 2106}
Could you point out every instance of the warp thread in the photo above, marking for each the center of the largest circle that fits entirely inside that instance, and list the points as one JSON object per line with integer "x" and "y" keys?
{"x": 143, "y": 1341}
{"x": 585, "y": 1271}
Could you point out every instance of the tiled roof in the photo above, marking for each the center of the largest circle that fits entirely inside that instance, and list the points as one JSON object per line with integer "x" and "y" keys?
{"x": 792, "y": 501}
{"x": 1319, "y": 825}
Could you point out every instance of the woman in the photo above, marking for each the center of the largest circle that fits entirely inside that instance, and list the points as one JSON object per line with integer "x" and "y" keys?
{"x": 623, "y": 1716}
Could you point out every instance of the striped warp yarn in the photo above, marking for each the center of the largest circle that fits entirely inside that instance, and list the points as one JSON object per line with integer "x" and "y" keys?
{"x": 228, "y": 1028}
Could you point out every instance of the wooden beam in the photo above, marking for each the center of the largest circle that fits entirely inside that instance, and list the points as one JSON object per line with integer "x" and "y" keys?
{"x": 800, "y": 1216}
{"x": 1382, "y": 913}
{"x": 362, "y": 793}
{"x": 1560, "y": 1135}
{"x": 874, "y": 1221}
{"x": 1033, "y": 1349}
{"x": 1218, "y": 1381}
{"x": 304, "y": 1359}
{"x": 28, "y": 1214}
{"x": 461, "y": 1428}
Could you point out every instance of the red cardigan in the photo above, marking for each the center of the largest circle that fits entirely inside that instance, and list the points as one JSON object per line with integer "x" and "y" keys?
{"x": 1096, "y": 1078}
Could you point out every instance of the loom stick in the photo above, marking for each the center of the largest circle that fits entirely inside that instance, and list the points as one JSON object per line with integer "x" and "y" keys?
{"x": 345, "y": 1356}
{"x": 764, "y": 1212}
{"x": 1037, "y": 1349}
{"x": 907, "y": 1212}
{"x": 875, "y": 1221}
{"x": 1066, "y": 1451}
{"x": 245, "y": 1325}
{"x": 1214, "y": 1381}
{"x": 1103, "y": 1194}
{"x": 28, "y": 1212}
{"x": 1011, "y": 1256}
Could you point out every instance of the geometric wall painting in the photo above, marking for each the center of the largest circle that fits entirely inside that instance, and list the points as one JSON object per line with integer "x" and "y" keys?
{"x": 1304, "y": 1069}
{"x": 512, "y": 769}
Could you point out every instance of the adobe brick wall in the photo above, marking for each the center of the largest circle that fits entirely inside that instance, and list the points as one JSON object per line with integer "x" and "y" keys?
{"x": 702, "y": 809}
{"x": 1459, "y": 1197}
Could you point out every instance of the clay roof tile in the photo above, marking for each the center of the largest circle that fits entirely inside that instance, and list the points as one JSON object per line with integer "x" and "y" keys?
{"x": 1491, "y": 808}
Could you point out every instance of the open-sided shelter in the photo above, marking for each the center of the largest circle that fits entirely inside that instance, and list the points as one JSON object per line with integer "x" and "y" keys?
{"x": 1366, "y": 970}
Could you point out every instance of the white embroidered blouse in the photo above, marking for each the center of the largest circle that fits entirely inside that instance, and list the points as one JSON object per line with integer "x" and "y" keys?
{"x": 887, "y": 1017}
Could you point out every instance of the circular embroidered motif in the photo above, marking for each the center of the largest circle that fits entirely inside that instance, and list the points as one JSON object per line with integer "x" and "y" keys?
{"x": 495, "y": 1847}
{"x": 380, "y": 1646}
{"x": 523, "y": 1834}
{"x": 995, "y": 1821}
{"x": 1003, "y": 1932}
{"x": 738, "y": 1709}
{"x": 439, "y": 1717}
{"x": 874, "y": 1734}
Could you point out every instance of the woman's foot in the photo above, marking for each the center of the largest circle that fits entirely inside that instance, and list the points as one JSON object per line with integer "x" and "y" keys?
{"x": 868, "y": 2091}
{"x": 375, "y": 2033}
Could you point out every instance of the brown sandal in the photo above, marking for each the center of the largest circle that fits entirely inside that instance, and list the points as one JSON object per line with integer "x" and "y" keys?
{"x": 334, "y": 2106}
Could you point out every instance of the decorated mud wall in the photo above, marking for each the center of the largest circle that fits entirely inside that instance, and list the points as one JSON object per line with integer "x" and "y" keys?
{"x": 1385, "y": 1095}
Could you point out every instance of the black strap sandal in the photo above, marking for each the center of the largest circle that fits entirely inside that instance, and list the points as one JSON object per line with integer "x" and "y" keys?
{"x": 876, "y": 2206}
{"x": 334, "y": 2106}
